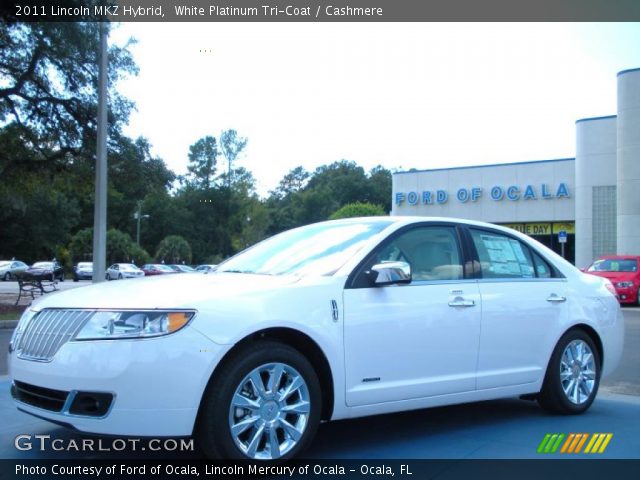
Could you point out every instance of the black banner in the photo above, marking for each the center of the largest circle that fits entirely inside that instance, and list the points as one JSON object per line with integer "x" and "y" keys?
{"x": 323, "y": 469}
{"x": 320, "y": 10}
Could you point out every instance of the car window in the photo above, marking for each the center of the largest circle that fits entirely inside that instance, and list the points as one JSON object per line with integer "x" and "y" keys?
{"x": 502, "y": 256}
{"x": 543, "y": 270}
{"x": 614, "y": 265}
{"x": 432, "y": 252}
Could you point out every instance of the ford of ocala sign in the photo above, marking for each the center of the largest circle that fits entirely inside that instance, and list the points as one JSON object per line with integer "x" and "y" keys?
{"x": 474, "y": 194}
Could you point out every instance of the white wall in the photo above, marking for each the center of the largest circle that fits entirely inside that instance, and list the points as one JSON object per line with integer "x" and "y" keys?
{"x": 595, "y": 166}
{"x": 628, "y": 165}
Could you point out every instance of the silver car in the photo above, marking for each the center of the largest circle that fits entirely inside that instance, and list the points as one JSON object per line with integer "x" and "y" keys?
{"x": 118, "y": 271}
{"x": 9, "y": 268}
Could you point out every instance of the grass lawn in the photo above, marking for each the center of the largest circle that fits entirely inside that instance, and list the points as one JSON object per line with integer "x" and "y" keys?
{"x": 11, "y": 312}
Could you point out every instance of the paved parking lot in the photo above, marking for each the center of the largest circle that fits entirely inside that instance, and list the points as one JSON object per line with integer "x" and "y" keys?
{"x": 501, "y": 429}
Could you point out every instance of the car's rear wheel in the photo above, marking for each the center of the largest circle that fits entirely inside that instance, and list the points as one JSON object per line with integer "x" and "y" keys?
{"x": 107, "y": 276}
{"x": 573, "y": 375}
{"x": 263, "y": 405}
{"x": 120, "y": 276}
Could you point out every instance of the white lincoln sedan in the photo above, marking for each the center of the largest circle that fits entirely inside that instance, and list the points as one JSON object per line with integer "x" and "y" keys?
{"x": 329, "y": 321}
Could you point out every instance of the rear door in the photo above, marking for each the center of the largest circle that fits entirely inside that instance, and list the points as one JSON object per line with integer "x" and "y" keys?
{"x": 524, "y": 300}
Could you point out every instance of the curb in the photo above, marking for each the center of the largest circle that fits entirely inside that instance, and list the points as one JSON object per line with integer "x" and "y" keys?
{"x": 7, "y": 324}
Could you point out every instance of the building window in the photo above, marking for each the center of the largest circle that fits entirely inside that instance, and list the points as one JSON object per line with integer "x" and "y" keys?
{"x": 604, "y": 221}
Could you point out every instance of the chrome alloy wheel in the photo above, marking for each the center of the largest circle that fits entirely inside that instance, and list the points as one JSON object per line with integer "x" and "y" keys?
{"x": 269, "y": 411}
{"x": 578, "y": 372}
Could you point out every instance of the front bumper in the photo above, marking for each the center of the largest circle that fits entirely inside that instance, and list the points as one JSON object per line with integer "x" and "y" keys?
{"x": 627, "y": 295}
{"x": 155, "y": 384}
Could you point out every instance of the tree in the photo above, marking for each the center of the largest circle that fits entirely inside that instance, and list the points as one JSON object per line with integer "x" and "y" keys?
{"x": 48, "y": 74}
{"x": 292, "y": 182}
{"x": 358, "y": 209}
{"x": 231, "y": 145}
{"x": 81, "y": 246}
{"x": 203, "y": 157}
{"x": 120, "y": 247}
{"x": 174, "y": 249}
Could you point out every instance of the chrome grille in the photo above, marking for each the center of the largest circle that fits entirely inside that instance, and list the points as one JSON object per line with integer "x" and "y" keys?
{"x": 48, "y": 331}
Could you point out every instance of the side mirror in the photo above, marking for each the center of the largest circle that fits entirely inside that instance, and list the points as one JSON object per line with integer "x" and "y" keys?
{"x": 390, "y": 273}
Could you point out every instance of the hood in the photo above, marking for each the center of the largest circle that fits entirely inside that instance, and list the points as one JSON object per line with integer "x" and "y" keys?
{"x": 615, "y": 276}
{"x": 164, "y": 291}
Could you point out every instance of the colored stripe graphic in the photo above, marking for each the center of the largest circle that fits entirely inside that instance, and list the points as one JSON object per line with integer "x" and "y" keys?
{"x": 574, "y": 443}
{"x": 598, "y": 443}
{"x": 551, "y": 442}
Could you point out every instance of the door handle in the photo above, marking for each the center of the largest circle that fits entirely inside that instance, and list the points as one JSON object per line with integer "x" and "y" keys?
{"x": 556, "y": 298}
{"x": 461, "y": 302}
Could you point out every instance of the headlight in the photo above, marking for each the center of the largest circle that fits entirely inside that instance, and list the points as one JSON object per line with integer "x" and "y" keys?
{"x": 624, "y": 284}
{"x": 20, "y": 328}
{"x": 132, "y": 324}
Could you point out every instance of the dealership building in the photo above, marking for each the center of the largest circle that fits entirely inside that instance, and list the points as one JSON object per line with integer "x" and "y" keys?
{"x": 584, "y": 207}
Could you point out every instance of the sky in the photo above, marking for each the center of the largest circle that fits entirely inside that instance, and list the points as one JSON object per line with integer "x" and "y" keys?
{"x": 400, "y": 95}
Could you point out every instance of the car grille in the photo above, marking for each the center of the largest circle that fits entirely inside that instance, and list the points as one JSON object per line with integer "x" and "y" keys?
{"x": 48, "y": 331}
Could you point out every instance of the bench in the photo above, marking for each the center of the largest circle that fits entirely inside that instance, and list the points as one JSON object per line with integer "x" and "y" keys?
{"x": 30, "y": 285}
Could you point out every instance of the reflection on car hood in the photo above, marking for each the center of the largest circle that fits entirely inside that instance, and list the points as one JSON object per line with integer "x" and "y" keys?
{"x": 164, "y": 291}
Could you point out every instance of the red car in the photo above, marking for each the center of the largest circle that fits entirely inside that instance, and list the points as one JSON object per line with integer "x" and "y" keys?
{"x": 156, "y": 269}
{"x": 623, "y": 272}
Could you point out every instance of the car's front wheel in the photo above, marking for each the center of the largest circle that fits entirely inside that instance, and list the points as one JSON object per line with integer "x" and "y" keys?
{"x": 7, "y": 277}
{"x": 573, "y": 375}
{"x": 263, "y": 405}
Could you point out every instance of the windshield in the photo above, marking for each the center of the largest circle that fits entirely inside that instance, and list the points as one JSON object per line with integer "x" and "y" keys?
{"x": 43, "y": 264}
{"x": 128, "y": 266}
{"x": 85, "y": 265}
{"x": 614, "y": 265}
{"x": 318, "y": 249}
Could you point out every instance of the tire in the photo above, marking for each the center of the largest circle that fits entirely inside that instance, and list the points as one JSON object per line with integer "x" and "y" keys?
{"x": 7, "y": 277}
{"x": 119, "y": 276}
{"x": 62, "y": 277}
{"x": 107, "y": 277}
{"x": 290, "y": 431}
{"x": 638, "y": 297}
{"x": 53, "y": 277}
{"x": 573, "y": 375}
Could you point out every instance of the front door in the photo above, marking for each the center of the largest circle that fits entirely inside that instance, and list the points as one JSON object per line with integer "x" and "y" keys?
{"x": 415, "y": 340}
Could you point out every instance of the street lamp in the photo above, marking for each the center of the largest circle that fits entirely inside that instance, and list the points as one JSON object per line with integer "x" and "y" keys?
{"x": 138, "y": 216}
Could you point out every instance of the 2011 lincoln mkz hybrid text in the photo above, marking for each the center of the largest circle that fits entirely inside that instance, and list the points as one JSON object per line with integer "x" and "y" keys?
{"x": 329, "y": 321}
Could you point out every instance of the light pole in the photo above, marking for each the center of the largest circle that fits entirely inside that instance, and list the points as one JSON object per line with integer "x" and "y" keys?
{"x": 138, "y": 216}
{"x": 100, "y": 207}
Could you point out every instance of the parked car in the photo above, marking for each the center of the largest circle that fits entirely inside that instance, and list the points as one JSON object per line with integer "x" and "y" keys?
{"x": 119, "y": 271}
{"x": 206, "y": 268}
{"x": 332, "y": 320}
{"x": 182, "y": 268}
{"x": 83, "y": 271}
{"x": 624, "y": 273}
{"x": 47, "y": 270}
{"x": 9, "y": 268}
{"x": 157, "y": 269}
